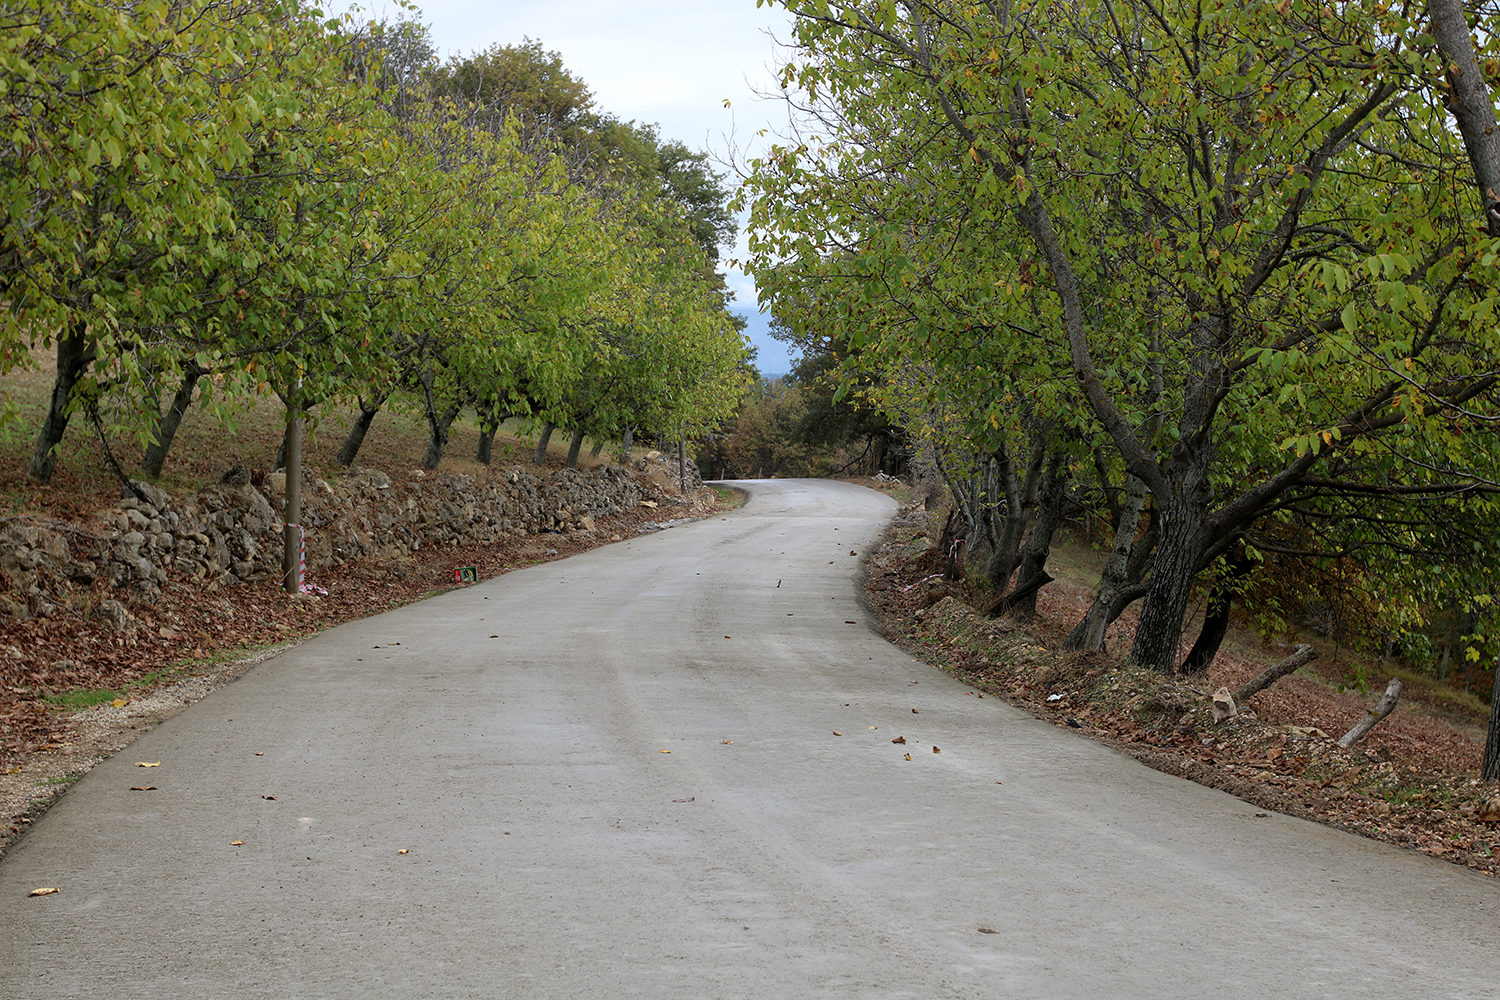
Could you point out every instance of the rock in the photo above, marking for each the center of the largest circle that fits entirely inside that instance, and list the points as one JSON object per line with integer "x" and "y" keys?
{"x": 237, "y": 475}
{"x": 276, "y": 483}
{"x": 113, "y": 612}
{"x": 155, "y": 495}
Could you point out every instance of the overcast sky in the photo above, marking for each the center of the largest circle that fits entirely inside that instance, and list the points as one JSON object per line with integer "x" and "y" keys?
{"x": 669, "y": 62}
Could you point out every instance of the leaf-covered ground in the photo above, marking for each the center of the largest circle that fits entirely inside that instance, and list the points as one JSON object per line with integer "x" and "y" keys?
{"x": 1413, "y": 781}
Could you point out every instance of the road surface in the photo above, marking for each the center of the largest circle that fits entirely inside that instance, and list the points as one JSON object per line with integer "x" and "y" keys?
{"x": 621, "y": 775}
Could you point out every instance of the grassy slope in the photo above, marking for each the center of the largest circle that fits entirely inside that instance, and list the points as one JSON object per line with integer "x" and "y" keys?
{"x": 205, "y": 448}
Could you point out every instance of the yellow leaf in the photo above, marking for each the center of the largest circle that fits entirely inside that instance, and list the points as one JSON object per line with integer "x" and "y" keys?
{"x": 403, "y": 851}
{"x": 727, "y": 742}
{"x": 908, "y": 756}
{"x": 43, "y": 892}
{"x": 837, "y": 733}
{"x": 141, "y": 763}
{"x": 120, "y": 702}
{"x": 663, "y": 751}
{"x": 236, "y": 843}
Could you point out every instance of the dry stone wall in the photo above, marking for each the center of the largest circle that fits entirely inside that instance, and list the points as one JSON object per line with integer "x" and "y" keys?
{"x": 231, "y": 533}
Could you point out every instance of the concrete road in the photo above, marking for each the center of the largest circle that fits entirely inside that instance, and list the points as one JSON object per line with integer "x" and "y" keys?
{"x": 509, "y": 737}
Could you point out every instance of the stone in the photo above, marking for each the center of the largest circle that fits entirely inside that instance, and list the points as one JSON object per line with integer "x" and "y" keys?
{"x": 276, "y": 483}
{"x": 237, "y": 475}
{"x": 155, "y": 495}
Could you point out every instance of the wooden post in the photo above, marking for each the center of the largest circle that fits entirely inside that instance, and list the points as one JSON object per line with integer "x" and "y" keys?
{"x": 1303, "y": 655}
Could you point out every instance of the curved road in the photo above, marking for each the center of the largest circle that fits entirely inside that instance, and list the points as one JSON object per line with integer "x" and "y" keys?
{"x": 509, "y": 736}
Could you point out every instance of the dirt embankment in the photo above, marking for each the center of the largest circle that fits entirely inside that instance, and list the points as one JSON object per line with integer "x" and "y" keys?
{"x": 1412, "y": 782}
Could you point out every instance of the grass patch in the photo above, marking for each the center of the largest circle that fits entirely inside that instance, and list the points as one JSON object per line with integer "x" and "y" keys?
{"x": 729, "y": 495}
{"x": 82, "y": 698}
{"x": 61, "y": 779}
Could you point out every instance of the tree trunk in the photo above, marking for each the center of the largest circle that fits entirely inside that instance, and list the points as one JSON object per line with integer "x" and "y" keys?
{"x": 356, "y": 438}
{"x": 539, "y": 457}
{"x": 1490, "y": 770}
{"x": 626, "y": 443}
{"x": 573, "y": 449}
{"x": 283, "y": 453}
{"x": 1216, "y": 615}
{"x": 1089, "y": 634}
{"x": 1470, "y": 103}
{"x": 490, "y": 419}
{"x": 439, "y": 422}
{"x": 1385, "y": 706}
{"x": 75, "y": 353}
{"x": 291, "y": 552}
{"x": 166, "y": 428}
{"x": 1171, "y": 586}
{"x": 598, "y": 449}
{"x": 1032, "y": 562}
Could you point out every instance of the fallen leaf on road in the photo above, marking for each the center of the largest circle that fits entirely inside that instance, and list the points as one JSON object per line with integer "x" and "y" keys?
{"x": 778, "y": 584}
{"x": 685, "y": 800}
{"x": 141, "y": 763}
{"x": 853, "y": 553}
{"x": 874, "y": 727}
{"x": 663, "y": 751}
{"x": 899, "y": 739}
{"x": 915, "y": 712}
{"x": 43, "y": 892}
{"x": 727, "y": 743}
{"x": 837, "y": 733}
{"x": 143, "y": 788}
{"x": 850, "y": 621}
{"x": 988, "y": 930}
{"x": 908, "y": 756}
{"x": 236, "y": 843}
{"x": 729, "y": 637}
{"x": 260, "y": 753}
{"x": 404, "y": 851}
{"x": 494, "y": 637}
{"x": 269, "y": 798}
{"x": 936, "y": 750}
{"x": 999, "y": 782}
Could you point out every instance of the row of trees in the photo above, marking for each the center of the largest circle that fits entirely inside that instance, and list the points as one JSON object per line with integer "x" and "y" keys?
{"x": 1223, "y": 274}
{"x": 230, "y": 197}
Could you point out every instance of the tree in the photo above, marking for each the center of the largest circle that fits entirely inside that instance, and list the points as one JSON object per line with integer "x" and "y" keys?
{"x": 1252, "y": 205}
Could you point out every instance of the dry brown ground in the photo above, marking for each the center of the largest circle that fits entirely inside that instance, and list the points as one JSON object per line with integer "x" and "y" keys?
{"x": 1413, "y": 781}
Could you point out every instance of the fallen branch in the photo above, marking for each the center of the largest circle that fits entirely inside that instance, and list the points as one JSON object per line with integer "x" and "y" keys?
{"x": 1385, "y": 706}
{"x": 1304, "y": 655}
